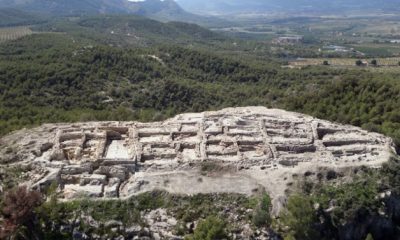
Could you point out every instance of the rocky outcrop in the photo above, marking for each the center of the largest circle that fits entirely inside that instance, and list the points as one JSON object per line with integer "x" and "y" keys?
{"x": 253, "y": 148}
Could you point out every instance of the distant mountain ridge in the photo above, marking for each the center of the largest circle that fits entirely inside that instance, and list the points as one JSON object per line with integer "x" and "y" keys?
{"x": 64, "y": 7}
{"x": 167, "y": 10}
{"x": 14, "y": 17}
{"x": 231, "y": 6}
{"x": 93, "y": 6}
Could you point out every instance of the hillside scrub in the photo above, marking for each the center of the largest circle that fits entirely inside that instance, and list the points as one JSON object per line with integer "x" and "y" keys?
{"x": 55, "y": 219}
{"x": 48, "y": 78}
{"x": 366, "y": 207}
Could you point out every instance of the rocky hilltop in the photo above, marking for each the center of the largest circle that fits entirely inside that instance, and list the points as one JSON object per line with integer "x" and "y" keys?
{"x": 235, "y": 150}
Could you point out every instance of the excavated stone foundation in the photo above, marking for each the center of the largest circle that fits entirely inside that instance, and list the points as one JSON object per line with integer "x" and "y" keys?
{"x": 238, "y": 150}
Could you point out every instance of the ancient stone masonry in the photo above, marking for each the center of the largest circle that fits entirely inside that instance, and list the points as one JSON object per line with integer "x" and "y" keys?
{"x": 120, "y": 159}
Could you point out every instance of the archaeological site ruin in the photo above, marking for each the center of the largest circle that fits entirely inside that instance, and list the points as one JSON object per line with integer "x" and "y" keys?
{"x": 252, "y": 148}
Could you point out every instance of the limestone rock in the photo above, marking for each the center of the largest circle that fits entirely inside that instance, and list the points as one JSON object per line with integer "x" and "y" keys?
{"x": 119, "y": 172}
{"x": 113, "y": 223}
{"x": 92, "y": 179}
{"x": 111, "y": 190}
{"x": 161, "y": 224}
{"x": 72, "y": 191}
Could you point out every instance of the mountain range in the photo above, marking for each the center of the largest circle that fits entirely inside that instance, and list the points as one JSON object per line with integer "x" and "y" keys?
{"x": 62, "y": 7}
{"x": 193, "y": 11}
{"x": 235, "y": 6}
{"x": 164, "y": 10}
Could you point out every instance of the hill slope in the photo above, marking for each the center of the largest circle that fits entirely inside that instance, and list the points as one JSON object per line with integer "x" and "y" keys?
{"x": 14, "y": 17}
{"x": 65, "y": 7}
{"x": 165, "y": 10}
{"x": 74, "y": 77}
{"x": 123, "y": 30}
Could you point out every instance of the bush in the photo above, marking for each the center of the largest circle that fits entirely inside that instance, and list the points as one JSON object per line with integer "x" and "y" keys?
{"x": 359, "y": 63}
{"x": 261, "y": 216}
{"x": 300, "y": 217}
{"x": 212, "y": 228}
{"x": 369, "y": 237}
{"x": 18, "y": 213}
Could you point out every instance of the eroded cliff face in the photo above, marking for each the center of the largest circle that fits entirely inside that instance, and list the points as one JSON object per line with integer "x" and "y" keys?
{"x": 235, "y": 150}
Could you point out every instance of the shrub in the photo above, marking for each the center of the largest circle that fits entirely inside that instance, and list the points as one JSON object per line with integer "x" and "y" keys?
{"x": 212, "y": 228}
{"x": 18, "y": 213}
{"x": 369, "y": 237}
{"x": 359, "y": 63}
{"x": 300, "y": 217}
{"x": 261, "y": 216}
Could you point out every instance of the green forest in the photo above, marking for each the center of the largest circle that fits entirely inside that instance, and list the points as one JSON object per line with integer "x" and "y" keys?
{"x": 53, "y": 78}
{"x": 97, "y": 69}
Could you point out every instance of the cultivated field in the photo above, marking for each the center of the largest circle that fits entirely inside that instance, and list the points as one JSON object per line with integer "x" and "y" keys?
{"x": 12, "y": 33}
{"x": 345, "y": 62}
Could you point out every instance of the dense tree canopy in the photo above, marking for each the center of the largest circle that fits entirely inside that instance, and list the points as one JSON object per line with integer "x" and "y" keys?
{"x": 50, "y": 78}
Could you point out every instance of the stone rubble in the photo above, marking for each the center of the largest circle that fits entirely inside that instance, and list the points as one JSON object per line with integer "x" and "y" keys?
{"x": 159, "y": 224}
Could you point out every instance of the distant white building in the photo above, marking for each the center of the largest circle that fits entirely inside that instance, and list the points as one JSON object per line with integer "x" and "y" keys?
{"x": 335, "y": 48}
{"x": 289, "y": 40}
